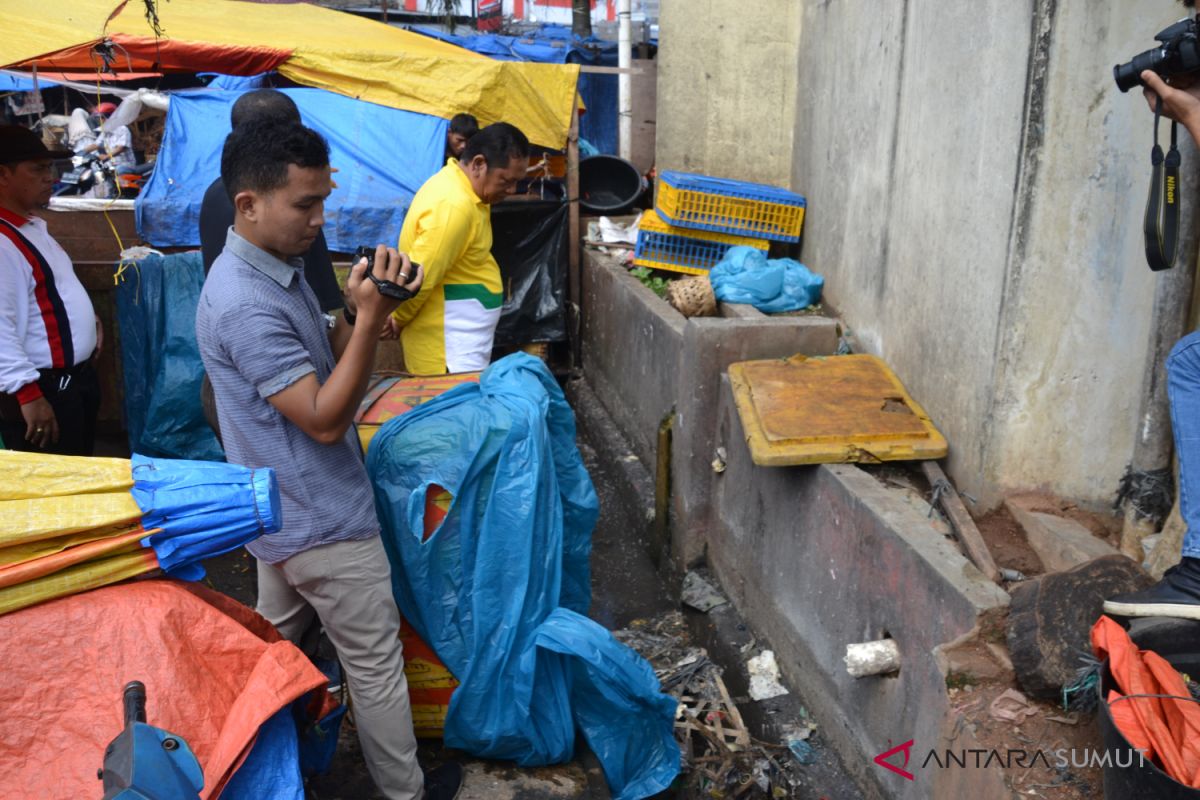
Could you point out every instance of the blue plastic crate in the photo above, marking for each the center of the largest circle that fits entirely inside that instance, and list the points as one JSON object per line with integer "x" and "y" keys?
{"x": 727, "y": 206}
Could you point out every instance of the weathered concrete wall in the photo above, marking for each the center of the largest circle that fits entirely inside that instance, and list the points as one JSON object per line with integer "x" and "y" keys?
{"x": 821, "y": 557}
{"x": 726, "y": 88}
{"x": 647, "y": 364}
{"x": 975, "y": 186}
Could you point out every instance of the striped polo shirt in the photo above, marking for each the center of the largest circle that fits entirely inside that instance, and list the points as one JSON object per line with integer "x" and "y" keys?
{"x": 451, "y": 324}
{"x": 260, "y": 330}
{"x": 46, "y": 318}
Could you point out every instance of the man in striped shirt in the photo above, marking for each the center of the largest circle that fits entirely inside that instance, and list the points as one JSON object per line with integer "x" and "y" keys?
{"x": 49, "y": 332}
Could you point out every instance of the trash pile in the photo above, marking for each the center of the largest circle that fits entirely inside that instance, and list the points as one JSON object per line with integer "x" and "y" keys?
{"x": 720, "y": 758}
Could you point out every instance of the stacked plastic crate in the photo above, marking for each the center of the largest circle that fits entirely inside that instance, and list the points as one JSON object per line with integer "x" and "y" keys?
{"x": 696, "y": 219}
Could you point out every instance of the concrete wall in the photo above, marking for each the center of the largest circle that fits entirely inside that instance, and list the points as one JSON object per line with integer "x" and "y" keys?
{"x": 975, "y": 186}
{"x": 647, "y": 364}
{"x": 821, "y": 557}
{"x": 726, "y": 88}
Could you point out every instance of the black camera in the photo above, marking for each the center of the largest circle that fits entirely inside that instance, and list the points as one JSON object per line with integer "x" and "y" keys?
{"x": 1179, "y": 53}
{"x": 385, "y": 287}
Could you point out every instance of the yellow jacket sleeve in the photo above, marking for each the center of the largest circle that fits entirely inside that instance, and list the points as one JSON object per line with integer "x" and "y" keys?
{"x": 439, "y": 238}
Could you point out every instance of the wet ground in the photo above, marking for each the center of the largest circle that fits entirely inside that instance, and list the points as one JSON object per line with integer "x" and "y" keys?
{"x": 627, "y": 590}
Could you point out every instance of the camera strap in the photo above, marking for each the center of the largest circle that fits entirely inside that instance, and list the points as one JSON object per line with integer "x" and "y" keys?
{"x": 1161, "y": 224}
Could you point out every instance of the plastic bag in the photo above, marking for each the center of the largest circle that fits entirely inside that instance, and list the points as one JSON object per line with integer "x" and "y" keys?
{"x": 499, "y": 589}
{"x": 745, "y": 275}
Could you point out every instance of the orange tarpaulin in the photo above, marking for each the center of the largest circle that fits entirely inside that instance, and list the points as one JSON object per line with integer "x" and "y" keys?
{"x": 1166, "y": 730}
{"x": 214, "y": 672}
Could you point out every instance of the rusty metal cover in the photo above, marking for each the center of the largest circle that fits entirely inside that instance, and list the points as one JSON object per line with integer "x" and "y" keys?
{"x": 830, "y": 410}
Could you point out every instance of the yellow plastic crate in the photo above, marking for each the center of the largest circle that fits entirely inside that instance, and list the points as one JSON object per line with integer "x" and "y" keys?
{"x": 663, "y": 246}
{"x": 699, "y": 202}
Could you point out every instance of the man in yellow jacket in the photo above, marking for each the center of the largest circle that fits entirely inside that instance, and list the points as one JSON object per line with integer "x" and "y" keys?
{"x": 451, "y": 324}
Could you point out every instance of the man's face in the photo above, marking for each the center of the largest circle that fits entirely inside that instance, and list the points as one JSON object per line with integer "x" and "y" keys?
{"x": 457, "y": 143}
{"x": 287, "y": 221}
{"x": 28, "y": 184}
{"x": 493, "y": 184}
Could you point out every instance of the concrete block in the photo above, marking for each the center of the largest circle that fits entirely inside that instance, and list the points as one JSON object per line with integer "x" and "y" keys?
{"x": 1060, "y": 543}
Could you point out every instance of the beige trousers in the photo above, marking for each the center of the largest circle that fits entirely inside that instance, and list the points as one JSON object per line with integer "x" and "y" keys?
{"x": 347, "y": 585}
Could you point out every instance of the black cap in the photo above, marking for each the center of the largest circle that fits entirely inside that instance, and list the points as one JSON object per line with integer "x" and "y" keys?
{"x": 21, "y": 144}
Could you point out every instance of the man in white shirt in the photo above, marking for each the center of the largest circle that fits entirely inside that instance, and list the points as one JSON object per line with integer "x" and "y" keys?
{"x": 49, "y": 332}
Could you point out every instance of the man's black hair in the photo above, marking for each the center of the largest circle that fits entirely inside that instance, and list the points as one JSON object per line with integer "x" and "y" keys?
{"x": 464, "y": 125}
{"x": 261, "y": 105}
{"x": 256, "y": 155}
{"x": 498, "y": 143}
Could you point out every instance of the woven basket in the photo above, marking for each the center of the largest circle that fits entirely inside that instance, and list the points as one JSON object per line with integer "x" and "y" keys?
{"x": 692, "y": 297}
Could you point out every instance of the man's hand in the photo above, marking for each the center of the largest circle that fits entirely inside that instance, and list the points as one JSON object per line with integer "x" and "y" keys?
{"x": 1181, "y": 102}
{"x": 41, "y": 427}
{"x": 390, "y": 265}
{"x": 391, "y": 330}
{"x": 99, "y": 341}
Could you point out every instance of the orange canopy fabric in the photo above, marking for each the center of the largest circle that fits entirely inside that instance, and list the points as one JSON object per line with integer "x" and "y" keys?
{"x": 311, "y": 45}
{"x": 214, "y": 673}
{"x": 1166, "y": 730}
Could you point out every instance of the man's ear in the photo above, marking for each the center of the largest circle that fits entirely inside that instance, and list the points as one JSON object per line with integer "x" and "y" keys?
{"x": 478, "y": 163}
{"x": 245, "y": 204}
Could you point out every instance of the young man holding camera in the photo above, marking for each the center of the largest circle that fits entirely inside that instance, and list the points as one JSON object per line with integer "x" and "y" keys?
{"x": 287, "y": 385}
{"x": 1178, "y": 593}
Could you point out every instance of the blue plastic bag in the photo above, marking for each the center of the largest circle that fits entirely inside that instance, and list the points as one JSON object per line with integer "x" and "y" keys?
{"x": 745, "y": 275}
{"x": 499, "y": 590}
{"x": 156, "y": 312}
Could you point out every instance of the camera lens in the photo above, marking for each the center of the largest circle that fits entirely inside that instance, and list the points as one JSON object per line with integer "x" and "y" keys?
{"x": 1128, "y": 75}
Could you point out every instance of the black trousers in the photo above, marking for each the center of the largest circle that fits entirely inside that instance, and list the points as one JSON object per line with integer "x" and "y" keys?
{"x": 74, "y": 395}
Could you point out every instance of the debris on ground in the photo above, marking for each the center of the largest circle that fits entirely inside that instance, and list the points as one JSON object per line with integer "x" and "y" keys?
{"x": 699, "y": 594}
{"x": 764, "y": 677}
{"x": 720, "y": 759}
{"x": 1011, "y": 706}
{"x": 872, "y": 658}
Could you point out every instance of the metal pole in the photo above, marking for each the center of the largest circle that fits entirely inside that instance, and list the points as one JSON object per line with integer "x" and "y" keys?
{"x": 624, "y": 92}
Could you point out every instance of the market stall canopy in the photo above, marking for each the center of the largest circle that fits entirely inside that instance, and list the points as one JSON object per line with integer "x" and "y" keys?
{"x": 308, "y": 44}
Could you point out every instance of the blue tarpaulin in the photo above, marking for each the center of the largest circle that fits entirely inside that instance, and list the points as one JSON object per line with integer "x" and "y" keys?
{"x": 383, "y": 155}
{"x": 202, "y": 509}
{"x": 19, "y": 83}
{"x": 555, "y": 44}
{"x": 500, "y": 589}
{"x": 156, "y": 314}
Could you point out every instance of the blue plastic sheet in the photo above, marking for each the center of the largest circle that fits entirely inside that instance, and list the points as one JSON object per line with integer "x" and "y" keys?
{"x": 156, "y": 312}
{"x": 272, "y": 768}
{"x": 204, "y": 508}
{"x": 383, "y": 155}
{"x": 500, "y": 588}
{"x": 555, "y": 44}
{"x": 745, "y": 275}
{"x": 19, "y": 83}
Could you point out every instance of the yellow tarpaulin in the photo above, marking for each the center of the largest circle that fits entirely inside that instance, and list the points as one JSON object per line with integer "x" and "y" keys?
{"x": 45, "y": 498}
{"x": 311, "y": 45}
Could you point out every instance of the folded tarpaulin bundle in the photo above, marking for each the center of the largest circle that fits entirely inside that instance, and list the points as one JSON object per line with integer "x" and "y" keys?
{"x": 1166, "y": 730}
{"x": 216, "y": 674}
{"x": 500, "y": 587}
{"x": 69, "y": 524}
{"x": 746, "y": 275}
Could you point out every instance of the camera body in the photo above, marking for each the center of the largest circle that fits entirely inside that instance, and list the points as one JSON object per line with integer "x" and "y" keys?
{"x": 1178, "y": 53}
{"x": 386, "y": 288}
